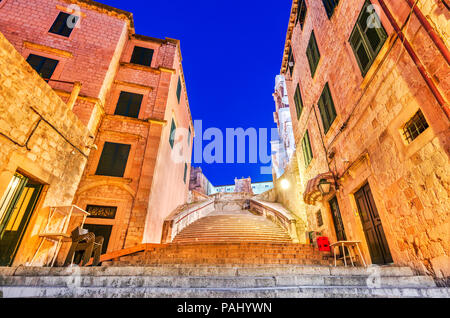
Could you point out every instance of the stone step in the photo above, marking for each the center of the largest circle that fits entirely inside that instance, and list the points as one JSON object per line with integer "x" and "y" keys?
{"x": 261, "y": 292}
{"x": 216, "y": 282}
{"x": 203, "y": 269}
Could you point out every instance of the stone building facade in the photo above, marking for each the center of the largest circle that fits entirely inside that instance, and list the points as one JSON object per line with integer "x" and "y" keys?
{"x": 199, "y": 182}
{"x": 369, "y": 106}
{"x": 128, "y": 92}
{"x": 282, "y": 149}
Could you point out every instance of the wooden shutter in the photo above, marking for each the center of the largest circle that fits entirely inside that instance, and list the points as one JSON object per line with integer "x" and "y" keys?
{"x": 179, "y": 89}
{"x": 173, "y": 128}
{"x": 313, "y": 54}
{"x": 298, "y": 101}
{"x": 327, "y": 109}
{"x": 113, "y": 160}
{"x": 306, "y": 147}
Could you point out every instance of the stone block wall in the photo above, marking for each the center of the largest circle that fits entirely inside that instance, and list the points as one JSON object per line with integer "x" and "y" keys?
{"x": 41, "y": 138}
{"x": 409, "y": 182}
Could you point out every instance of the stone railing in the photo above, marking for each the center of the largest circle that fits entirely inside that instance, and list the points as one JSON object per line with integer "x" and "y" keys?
{"x": 277, "y": 214}
{"x": 184, "y": 216}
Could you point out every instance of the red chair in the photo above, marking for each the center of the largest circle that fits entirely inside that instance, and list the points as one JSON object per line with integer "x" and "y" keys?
{"x": 324, "y": 244}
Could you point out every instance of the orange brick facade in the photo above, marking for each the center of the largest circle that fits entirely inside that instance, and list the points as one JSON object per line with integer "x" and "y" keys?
{"x": 409, "y": 182}
{"x": 97, "y": 55}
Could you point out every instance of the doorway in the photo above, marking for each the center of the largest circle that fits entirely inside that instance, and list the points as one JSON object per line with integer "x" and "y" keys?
{"x": 337, "y": 220}
{"x": 372, "y": 227}
{"x": 16, "y": 207}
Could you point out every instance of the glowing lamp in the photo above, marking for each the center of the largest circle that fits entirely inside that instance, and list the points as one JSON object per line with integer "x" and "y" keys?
{"x": 324, "y": 186}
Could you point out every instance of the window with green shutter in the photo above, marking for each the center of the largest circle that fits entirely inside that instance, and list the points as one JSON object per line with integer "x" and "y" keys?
{"x": 291, "y": 61}
{"x": 189, "y": 136}
{"x": 313, "y": 54}
{"x": 327, "y": 109}
{"x": 179, "y": 90}
{"x": 367, "y": 38}
{"x": 298, "y": 101}
{"x": 329, "y": 6}
{"x": 185, "y": 172}
{"x": 301, "y": 13}
{"x": 173, "y": 129}
{"x": 307, "y": 151}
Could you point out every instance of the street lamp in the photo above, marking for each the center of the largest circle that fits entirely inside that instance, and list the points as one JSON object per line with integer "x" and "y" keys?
{"x": 324, "y": 186}
{"x": 285, "y": 184}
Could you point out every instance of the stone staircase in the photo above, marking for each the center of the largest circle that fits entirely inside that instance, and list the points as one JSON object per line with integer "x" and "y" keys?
{"x": 233, "y": 253}
{"x": 216, "y": 281}
{"x": 233, "y": 226}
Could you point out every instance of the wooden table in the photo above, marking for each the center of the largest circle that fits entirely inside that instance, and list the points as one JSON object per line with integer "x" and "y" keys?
{"x": 347, "y": 244}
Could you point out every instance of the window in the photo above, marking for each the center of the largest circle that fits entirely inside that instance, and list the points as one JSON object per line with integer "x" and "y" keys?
{"x": 142, "y": 56}
{"x": 301, "y": 13}
{"x": 113, "y": 160}
{"x": 414, "y": 127}
{"x": 44, "y": 66}
{"x": 185, "y": 172}
{"x": 173, "y": 129}
{"x": 101, "y": 212}
{"x": 129, "y": 104}
{"x": 313, "y": 54}
{"x": 189, "y": 136}
{"x": 329, "y": 6}
{"x": 291, "y": 61}
{"x": 319, "y": 218}
{"x": 306, "y": 147}
{"x": 298, "y": 101}
{"x": 326, "y": 108}
{"x": 179, "y": 90}
{"x": 64, "y": 24}
{"x": 367, "y": 39}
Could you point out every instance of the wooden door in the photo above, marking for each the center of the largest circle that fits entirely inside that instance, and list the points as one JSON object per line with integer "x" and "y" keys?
{"x": 337, "y": 220}
{"x": 373, "y": 229}
{"x": 17, "y": 206}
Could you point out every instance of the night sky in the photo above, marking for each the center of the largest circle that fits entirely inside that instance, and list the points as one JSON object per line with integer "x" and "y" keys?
{"x": 232, "y": 51}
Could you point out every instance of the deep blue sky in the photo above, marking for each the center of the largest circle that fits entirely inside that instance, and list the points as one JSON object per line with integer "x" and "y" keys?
{"x": 231, "y": 52}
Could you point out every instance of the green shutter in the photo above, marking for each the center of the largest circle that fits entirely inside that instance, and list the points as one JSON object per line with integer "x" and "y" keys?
{"x": 326, "y": 108}
{"x": 306, "y": 148}
{"x": 185, "y": 172}
{"x": 367, "y": 41}
{"x": 179, "y": 90}
{"x": 313, "y": 54}
{"x": 172, "y": 133}
{"x": 298, "y": 101}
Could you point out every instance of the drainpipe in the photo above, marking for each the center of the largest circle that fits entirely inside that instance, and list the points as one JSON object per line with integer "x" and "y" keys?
{"x": 437, "y": 94}
{"x": 430, "y": 30}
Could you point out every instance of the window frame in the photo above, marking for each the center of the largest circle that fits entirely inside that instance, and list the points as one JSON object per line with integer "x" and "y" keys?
{"x": 302, "y": 10}
{"x": 134, "y": 56}
{"x": 298, "y": 101}
{"x": 327, "y": 109}
{"x": 365, "y": 42}
{"x": 100, "y": 171}
{"x": 307, "y": 149}
{"x": 63, "y": 26}
{"x": 311, "y": 51}
{"x": 123, "y": 93}
{"x": 43, "y": 60}
{"x": 173, "y": 128}
{"x": 330, "y": 7}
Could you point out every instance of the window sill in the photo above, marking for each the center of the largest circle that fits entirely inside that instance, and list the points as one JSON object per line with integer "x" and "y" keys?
{"x": 373, "y": 69}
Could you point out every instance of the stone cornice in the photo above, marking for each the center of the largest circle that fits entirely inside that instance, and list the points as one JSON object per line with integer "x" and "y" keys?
{"x": 47, "y": 49}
